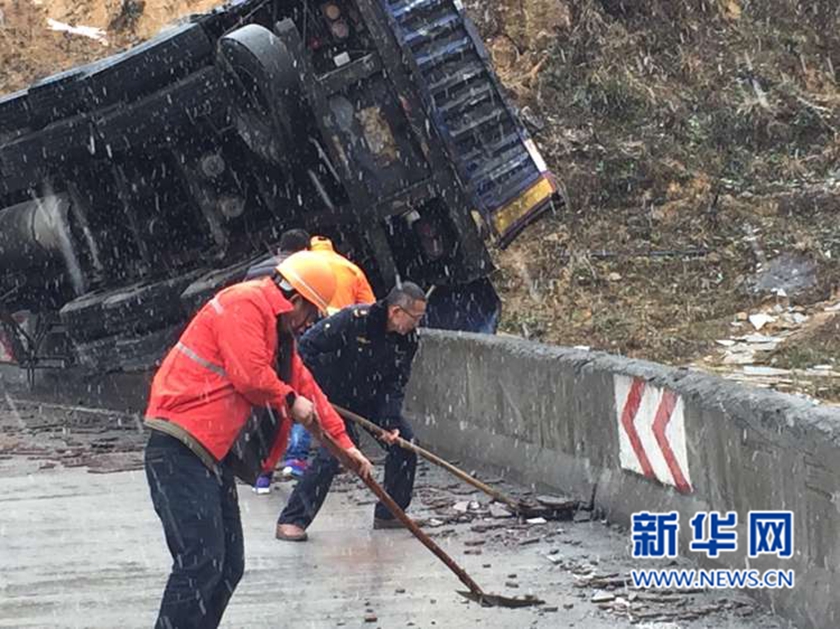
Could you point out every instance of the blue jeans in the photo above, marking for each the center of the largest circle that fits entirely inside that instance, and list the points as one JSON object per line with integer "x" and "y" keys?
{"x": 299, "y": 440}
{"x": 311, "y": 491}
{"x": 201, "y": 522}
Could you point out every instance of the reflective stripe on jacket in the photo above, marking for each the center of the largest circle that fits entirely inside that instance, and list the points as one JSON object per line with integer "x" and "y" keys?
{"x": 224, "y": 364}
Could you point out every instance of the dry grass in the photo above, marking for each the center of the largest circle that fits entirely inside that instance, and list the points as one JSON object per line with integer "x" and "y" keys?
{"x": 659, "y": 117}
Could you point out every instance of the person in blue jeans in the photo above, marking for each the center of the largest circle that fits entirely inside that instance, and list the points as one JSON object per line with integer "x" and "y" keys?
{"x": 361, "y": 358}
{"x": 292, "y": 241}
{"x": 297, "y": 453}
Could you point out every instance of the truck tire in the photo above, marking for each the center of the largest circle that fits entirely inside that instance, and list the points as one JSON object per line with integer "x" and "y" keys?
{"x": 143, "y": 353}
{"x": 84, "y": 317}
{"x": 97, "y": 355}
{"x": 126, "y": 352}
{"x": 144, "y": 308}
{"x": 256, "y": 61}
{"x": 205, "y": 287}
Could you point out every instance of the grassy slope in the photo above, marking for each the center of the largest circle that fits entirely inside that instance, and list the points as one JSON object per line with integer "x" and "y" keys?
{"x": 681, "y": 125}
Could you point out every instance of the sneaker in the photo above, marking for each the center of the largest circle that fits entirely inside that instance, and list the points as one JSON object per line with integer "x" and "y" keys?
{"x": 263, "y": 485}
{"x": 294, "y": 468}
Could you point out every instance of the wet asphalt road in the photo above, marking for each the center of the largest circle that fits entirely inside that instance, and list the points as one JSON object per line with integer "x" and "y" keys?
{"x": 80, "y": 546}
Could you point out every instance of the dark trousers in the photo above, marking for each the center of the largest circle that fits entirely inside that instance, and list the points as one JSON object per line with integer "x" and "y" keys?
{"x": 200, "y": 516}
{"x": 312, "y": 489}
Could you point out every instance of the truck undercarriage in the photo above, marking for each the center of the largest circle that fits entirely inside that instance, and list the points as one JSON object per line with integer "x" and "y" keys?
{"x": 136, "y": 186}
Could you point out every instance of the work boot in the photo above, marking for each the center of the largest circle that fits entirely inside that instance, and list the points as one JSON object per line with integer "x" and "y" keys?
{"x": 391, "y": 523}
{"x": 291, "y": 533}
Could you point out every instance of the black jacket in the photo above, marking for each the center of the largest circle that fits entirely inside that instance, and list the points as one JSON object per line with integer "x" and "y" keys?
{"x": 265, "y": 267}
{"x": 358, "y": 364}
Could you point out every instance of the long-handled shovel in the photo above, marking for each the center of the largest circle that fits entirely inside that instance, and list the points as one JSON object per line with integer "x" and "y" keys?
{"x": 475, "y": 593}
{"x": 517, "y": 506}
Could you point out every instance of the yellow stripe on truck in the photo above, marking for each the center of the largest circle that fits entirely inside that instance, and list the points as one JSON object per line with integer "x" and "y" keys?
{"x": 524, "y": 203}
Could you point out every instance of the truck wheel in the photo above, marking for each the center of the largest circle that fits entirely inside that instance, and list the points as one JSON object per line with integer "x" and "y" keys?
{"x": 144, "y": 307}
{"x": 97, "y": 355}
{"x": 260, "y": 67}
{"x": 205, "y": 287}
{"x": 84, "y": 317}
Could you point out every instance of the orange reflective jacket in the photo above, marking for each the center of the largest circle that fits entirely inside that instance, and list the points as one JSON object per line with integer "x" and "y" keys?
{"x": 352, "y": 287}
{"x": 223, "y": 365}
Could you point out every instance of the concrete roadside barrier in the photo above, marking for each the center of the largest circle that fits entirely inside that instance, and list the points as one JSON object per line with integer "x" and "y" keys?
{"x": 636, "y": 436}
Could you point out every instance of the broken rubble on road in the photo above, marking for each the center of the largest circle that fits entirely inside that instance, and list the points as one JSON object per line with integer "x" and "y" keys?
{"x": 516, "y": 548}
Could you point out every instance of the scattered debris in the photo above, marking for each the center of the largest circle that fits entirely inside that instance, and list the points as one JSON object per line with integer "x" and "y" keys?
{"x": 583, "y": 516}
{"x": 760, "y": 320}
{"x": 499, "y": 512}
{"x": 85, "y": 31}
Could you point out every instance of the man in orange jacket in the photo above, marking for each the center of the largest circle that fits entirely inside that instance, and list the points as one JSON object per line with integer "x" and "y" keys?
{"x": 236, "y": 354}
{"x": 352, "y": 287}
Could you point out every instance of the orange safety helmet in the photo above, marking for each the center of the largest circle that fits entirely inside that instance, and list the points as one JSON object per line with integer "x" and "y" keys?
{"x": 310, "y": 276}
{"x": 321, "y": 243}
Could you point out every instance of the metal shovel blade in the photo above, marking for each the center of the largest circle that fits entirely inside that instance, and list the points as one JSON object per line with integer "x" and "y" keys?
{"x": 497, "y": 600}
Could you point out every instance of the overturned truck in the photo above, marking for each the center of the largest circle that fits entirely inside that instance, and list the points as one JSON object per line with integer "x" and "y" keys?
{"x": 134, "y": 187}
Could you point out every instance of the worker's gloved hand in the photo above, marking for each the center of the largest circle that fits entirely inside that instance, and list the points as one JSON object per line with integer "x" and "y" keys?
{"x": 363, "y": 466}
{"x": 390, "y": 436}
{"x": 303, "y": 411}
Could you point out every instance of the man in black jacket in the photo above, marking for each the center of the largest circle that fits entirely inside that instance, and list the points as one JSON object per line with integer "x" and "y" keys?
{"x": 361, "y": 358}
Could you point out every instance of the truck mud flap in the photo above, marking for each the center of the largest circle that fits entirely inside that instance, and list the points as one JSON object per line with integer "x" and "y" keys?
{"x": 484, "y": 137}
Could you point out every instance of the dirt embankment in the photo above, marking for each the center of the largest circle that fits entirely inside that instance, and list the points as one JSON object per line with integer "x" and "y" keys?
{"x": 31, "y": 49}
{"x": 697, "y": 141}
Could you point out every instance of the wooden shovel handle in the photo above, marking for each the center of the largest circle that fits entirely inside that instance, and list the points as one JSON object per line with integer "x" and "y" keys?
{"x": 338, "y": 452}
{"x": 429, "y": 456}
